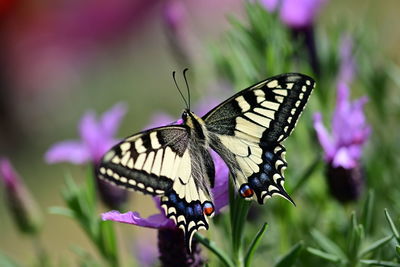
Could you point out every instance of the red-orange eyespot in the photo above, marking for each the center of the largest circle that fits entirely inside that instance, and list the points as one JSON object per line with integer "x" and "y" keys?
{"x": 246, "y": 191}
{"x": 208, "y": 208}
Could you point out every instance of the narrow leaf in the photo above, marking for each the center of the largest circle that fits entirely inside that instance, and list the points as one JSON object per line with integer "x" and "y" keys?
{"x": 367, "y": 211}
{"x": 328, "y": 245}
{"x": 392, "y": 226}
{"x": 323, "y": 255}
{"x": 398, "y": 250}
{"x": 254, "y": 244}
{"x": 380, "y": 263}
{"x": 211, "y": 246}
{"x": 62, "y": 211}
{"x": 290, "y": 258}
{"x": 377, "y": 244}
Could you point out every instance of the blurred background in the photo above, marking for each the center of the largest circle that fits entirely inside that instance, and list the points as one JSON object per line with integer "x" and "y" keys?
{"x": 62, "y": 58}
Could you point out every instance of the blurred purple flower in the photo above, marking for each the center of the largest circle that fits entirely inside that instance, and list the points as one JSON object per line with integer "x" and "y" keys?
{"x": 343, "y": 148}
{"x": 146, "y": 253}
{"x": 347, "y": 64}
{"x": 97, "y": 136}
{"x": 295, "y": 13}
{"x": 22, "y": 206}
{"x": 349, "y": 131}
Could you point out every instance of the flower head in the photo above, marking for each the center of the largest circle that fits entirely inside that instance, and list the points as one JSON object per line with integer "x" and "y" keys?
{"x": 296, "y": 14}
{"x": 350, "y": 131}
{"x": 20, "y": 202}
{"x": 97, "y": 136}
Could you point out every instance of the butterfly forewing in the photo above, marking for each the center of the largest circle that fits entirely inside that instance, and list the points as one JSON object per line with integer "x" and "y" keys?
{"x": 246, "y": 130}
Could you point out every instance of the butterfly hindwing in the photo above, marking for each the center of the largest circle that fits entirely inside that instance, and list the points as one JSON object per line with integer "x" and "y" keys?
{"x": 246, "y": 130}
{"x": 165, "y": 162}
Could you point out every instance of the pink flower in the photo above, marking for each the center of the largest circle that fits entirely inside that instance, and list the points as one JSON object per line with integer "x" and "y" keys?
{"x": 97, "y": 136}
{"x": 22, "y": 206}
{"x": 295, "y": 13}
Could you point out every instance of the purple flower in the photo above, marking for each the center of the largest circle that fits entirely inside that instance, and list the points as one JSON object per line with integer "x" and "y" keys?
{"x": 295, "y": 13}
{"x": 343, "y": 148}
{"x": 349, "y": 131}
{"x": 97, "y": 136}
{"x": 347, "y": 64}
{"x": 22, "y": 206}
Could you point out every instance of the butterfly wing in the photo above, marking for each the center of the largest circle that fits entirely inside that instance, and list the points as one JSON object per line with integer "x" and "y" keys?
{"x": 163, "y": 162}
{"x": 246, "y": 131}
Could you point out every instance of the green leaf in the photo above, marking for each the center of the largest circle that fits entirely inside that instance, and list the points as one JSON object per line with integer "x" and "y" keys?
{"x": 392, "y": 226}
{"x": 306, "y": 174}
{"x": 108, "y": 242}
{"x": 62, "y": 211}
{"x": 398, "y": 250}
{"x": 328, "y": 245}
{"x": 323, "y": 255}
{"x": 290, "y": 258}
{"x": 367, "y": 211}
{"x": 239, "y": 208}
{"x": 377, "y": 244}
{"x": 380, "y": 263}
{"x": 355, "y": 239}
{"x": 254, "y": 245}
{"x": 214, "y": 249}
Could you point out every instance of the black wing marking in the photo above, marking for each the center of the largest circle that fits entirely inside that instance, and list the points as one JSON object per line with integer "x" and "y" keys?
{"x": 147, "y": 161}
{"x": 265, "y": 112}
{"x": 166, "y": 162}
{"x": 246, "y": 131}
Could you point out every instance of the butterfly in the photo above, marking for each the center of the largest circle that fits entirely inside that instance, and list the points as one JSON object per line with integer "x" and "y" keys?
{"x": 246, "y": 130}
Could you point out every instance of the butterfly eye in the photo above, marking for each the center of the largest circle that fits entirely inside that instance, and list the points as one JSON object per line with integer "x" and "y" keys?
{"x": 185, "y": 115}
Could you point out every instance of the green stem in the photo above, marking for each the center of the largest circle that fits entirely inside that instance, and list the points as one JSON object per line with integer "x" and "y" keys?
{"x": 214, "y": 249}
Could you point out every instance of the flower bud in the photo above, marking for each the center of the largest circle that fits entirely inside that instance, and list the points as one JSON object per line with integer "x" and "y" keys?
{"x": 21, "y": 204}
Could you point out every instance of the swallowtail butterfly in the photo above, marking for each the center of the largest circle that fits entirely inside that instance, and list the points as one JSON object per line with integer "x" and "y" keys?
{"x": 246, "y": 130}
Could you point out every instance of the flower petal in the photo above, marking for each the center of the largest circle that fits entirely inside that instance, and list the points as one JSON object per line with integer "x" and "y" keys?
{"x": 323, "y": 136}
{"x": 111, "y": 119}
{"x": 300, "y": 13}
{"x": 68, "y": 151}
{"x": 10, "y": 177}
{"x": 220, "y": 191}
{"x": 344, "y": 158}
{"x": 154, "y": 221}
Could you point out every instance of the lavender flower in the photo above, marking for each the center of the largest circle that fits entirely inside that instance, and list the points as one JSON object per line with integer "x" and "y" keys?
{"x": 97, "y": 137}
{"x": 22, "y": 206}
{"x": 343, "y": 148}
{"x": 299, "y": 15}
{"x": 295, "y": 13}
{"x": 170, "y": 238}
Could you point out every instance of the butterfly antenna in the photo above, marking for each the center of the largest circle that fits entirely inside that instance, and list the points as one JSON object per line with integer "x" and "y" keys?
{"x": 179, "y": 90}
{"x": 187, "y": 85}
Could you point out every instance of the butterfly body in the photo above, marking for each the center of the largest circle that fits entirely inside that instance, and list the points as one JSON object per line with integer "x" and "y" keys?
{"x": 246, "y": 131}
